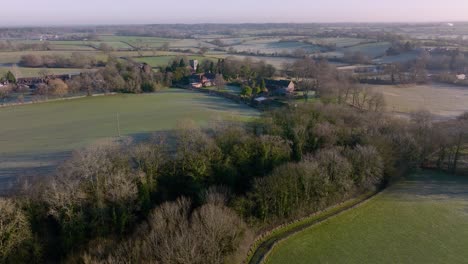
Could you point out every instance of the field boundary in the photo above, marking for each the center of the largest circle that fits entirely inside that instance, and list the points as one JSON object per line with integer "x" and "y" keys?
{"x": 266, "y": 242}
{"x": 54, "y": 100}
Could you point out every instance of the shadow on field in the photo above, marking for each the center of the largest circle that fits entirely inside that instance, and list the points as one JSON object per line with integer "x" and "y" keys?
{"x": 438, "y": 186}
{"x": 16, "y": 168}
{"x": 221, "y": 104}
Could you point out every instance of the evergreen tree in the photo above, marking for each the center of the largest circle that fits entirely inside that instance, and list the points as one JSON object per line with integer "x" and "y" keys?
{"x": 10, "y": 77}
{"x": 182, "y": 63}
{"x": 212, "y": 67}
{"x": 263, "y": 85}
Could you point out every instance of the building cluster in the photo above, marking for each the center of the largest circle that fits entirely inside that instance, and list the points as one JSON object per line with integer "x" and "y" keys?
{"x": 199, "y": 80}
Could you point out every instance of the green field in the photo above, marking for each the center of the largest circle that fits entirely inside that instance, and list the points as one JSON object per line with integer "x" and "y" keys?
{"x": 159, "y": 61}
{"x": 340, "y": 42}
{"x": 34, "y": 138}
{"x": 372, "y": 50}
{"x": 24, "y": 72}
{"x": 423, "y": 219}
{"x": 275, "y": 45}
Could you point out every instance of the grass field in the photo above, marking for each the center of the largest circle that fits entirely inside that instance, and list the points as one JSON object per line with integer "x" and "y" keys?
{"x": 372, "y": 50}
{"x": 423, "y": 219}
{"x": 15, "y": 56}
{"x": 401, "y": 58}
{"x": 34, "y": 138}
{"x": 340, "y": 42}
{"x": 443, "y": 100}
{"x": 158, "y": 61}
{"x": 274, "y": 45}
{"x": 24, "y": 72}
{"x": 277, "y": 62}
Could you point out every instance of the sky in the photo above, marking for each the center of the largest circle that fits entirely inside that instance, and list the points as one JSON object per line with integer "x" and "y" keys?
{"x": 89, "y": 12}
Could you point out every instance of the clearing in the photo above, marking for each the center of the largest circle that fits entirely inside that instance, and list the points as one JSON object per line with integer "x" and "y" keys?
{"x": 423, "y": 219}
{"x": 35, "y": 138}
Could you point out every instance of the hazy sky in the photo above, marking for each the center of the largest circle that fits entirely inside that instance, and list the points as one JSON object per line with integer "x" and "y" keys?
{"x": 51, "y": 12}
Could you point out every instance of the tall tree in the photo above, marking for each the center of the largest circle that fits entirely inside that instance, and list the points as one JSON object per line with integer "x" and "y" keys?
{"x": 219, "y": 82}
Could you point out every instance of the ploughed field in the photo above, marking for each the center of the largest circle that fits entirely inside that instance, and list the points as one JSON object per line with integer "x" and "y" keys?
{"x": 423, "y": 219}
{"x": 35, "y": 138}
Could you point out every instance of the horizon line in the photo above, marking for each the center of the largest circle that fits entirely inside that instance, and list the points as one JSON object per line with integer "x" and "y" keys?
{"x": 226, "y": 23}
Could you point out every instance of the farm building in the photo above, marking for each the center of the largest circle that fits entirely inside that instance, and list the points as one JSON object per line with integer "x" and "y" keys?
{"x": 461, "y": 77}
{"x": 280, "y": 87}
{"x": 260, "y": 99}
{"x": 202, "y": 80}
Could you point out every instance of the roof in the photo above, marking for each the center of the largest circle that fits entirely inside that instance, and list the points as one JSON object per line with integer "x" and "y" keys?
{"x": 210, "y": 75}
{"x": 277, "y": 83}
{"x": 461, "y": 76}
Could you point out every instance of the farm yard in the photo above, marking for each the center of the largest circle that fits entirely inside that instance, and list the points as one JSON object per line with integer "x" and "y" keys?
{"x": 442, "y": 100}
{"x": 34, "y": 138}
{"x": 423, "y": 219}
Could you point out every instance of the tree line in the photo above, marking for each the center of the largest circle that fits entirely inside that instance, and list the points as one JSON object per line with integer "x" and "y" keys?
{"x": 76, "y": 60}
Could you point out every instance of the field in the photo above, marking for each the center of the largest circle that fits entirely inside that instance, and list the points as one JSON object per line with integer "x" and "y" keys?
{"x": 34, "y": 138}
{"x": 159, "y": 61}
{"x": 401, "y": 58}
{"x": 423, "y": 219}
{"x": 24, "y": 72}
{"x": 442, "y": 100}
{"x": 271, "y": 46}
{"x": 372, "y": 50}
{"x": 340, "y": 42}
{"x": 147, "y": 42}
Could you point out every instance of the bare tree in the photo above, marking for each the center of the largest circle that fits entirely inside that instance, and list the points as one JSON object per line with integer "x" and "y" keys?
{"x": 58, "y": 87}
{"x": 308, "y": 85}
{"x": 219, "y": 82}
{"x": 14, "y": 229}
{"x": 5, "y": 92}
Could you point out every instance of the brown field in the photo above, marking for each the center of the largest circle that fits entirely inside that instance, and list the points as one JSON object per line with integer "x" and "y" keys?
{"x": 442, "y": 100}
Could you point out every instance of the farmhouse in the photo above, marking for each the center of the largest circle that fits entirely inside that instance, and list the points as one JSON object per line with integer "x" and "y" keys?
{"x": 280, "y": 87}
{"x": 202, "y": 80}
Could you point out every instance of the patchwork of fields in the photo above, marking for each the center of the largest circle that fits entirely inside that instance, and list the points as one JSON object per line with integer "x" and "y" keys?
{"x": 423, "y": 219}
{"x": 34, "y": 138}
{"x": 149, "y": 49}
